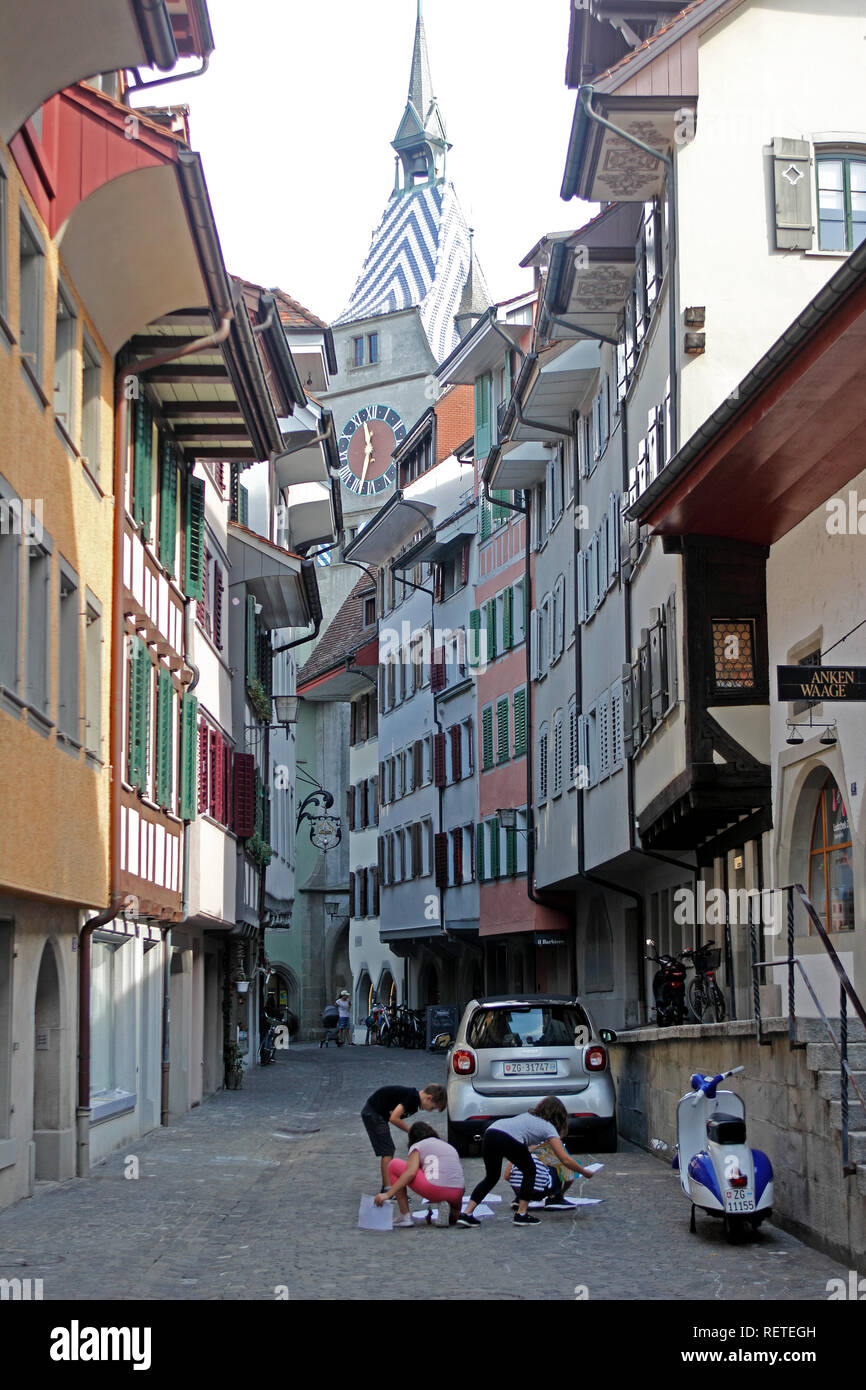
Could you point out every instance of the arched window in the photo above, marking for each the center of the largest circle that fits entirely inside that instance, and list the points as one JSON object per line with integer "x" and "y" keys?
{"x": 831, "y": 873}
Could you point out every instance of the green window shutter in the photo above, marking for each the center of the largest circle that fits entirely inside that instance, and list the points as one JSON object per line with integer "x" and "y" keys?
{"x": 188, "y": 756}
{"x": 508, "y": 618}
{"x": 193, "y": 575}
{"x": 500, "y": 512}
{"x": 142, "y": 465}
{"x": 139, "y": 714}
{"x": 487, "y": 738}
{"x": 252, "y": 640}
{"x": 164, "y": 740}
{"x": 167, "y": 505}
{"x": 502, "y": 729}
{"x": 243, "y": 506}
{"x": 491, "y": 630}
{"x": 511, "y": 853}
{"x": 493, "y": 827}
{"x": 479, "y": 852}
{"x": 519, "y": 722}
{"x": 475, "y": 637}
{"x": 483, "y": 385}
{"x": 486, "y": 525}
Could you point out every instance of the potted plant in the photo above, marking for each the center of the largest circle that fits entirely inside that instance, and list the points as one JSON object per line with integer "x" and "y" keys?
{"x": 259, "y": 700}
{"x": 234, "y": 1066}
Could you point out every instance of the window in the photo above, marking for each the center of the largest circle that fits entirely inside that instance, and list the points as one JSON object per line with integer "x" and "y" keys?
{"x": 103, "y": 958}
{"x": 369, "y": 611}
{"x": 11, "y": 528}
{"x": 733, "y": 653}
{"x": 518, "y": 611}
{"x": 557, "y": 621}
{"x": 357, "y": 352}
{"x": 38, "y": 579}
{"x": 68, "y": 654}
{"x": 209, "y": 612}
{"x": 216, "y": 773}
{"x": 372, "y": 348}
{"x": 555, "y": 486}
{"x": 557, "y": 753}
{"x": 30, "y": 269}
{"x": 841, "y": 202}
{"x": 91, "y": 409}
{"x": 548, "y": 1025}
{"x": 831, "y": 873}
{"x": 543, "y": 740}
{"x": 65, "y": 345}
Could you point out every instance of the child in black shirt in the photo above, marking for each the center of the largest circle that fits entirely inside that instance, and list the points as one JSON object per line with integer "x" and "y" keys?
{"x": 390, "y": 1105}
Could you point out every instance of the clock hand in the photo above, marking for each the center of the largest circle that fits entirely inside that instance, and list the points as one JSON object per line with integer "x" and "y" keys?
{"x": 368, "y": 458}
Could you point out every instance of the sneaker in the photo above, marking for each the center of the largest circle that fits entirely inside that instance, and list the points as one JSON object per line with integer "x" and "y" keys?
{"x": 404, "y": 1220}
{"x": 557, "y": 1204}
{"x": 525, "y": 1220}
{"x": 467, "y": 1219}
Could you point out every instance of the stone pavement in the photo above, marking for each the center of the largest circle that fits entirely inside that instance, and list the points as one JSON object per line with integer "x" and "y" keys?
{"x": 259, "y": 1188}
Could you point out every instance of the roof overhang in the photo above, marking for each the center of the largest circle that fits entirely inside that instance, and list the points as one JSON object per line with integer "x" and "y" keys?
{"x": 558, "y": 380}
{"x": 481, "y": 350}
{"x": 602, "y": 167}
{"x": 787, "y": 439}
{"x": 390, "y": 529}
{"x": 448, "y": 537}
{"x": 306, "y": 457}
{"x": 314, "y": 515}
{"x": 511, "y": 466}
{"x": 589, "y": 276}
{"x": 345, "y": 679}
{"x": 276, "y": 578}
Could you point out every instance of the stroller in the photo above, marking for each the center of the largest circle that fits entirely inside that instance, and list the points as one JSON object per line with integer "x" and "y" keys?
{"x": 331, "y": 1025}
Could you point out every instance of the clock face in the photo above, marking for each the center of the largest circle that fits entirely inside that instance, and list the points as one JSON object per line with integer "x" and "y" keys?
{"x": 366, "y": 445}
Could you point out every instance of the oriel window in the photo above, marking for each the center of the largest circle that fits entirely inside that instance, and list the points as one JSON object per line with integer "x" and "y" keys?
{"x": 733, "y": 653}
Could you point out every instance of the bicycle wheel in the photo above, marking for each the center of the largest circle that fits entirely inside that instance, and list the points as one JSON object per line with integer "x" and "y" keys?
{"x": 695, "y": 997}
{"x": 715, "y": 1002}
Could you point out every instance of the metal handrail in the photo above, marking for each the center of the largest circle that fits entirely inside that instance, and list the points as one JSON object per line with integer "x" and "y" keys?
{"x": 846, "y": 993}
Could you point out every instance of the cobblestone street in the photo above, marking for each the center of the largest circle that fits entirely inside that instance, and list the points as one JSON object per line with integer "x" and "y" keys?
{"x": 259, "y": 1188}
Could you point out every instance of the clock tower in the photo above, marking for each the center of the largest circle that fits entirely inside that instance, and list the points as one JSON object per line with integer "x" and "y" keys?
{"x": 399, "y": 323}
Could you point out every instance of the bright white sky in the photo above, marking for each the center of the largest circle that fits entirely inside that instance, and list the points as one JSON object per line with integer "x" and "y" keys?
{"x": 295, "y": 116}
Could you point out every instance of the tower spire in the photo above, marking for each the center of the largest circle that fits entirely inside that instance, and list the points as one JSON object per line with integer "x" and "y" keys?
{"x": 421, "y": 142}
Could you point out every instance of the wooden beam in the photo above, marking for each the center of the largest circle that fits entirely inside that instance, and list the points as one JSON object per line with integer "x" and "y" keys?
{"x": 184, "y": 432}
{"x": 145, "y": 344}
{"x": 222, "y": 453}
{"x": 173, "y": 410}
{"x": 186, "y": 373}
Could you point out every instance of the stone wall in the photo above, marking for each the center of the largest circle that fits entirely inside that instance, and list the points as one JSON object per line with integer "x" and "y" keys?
{"x": 791, "y": 1110}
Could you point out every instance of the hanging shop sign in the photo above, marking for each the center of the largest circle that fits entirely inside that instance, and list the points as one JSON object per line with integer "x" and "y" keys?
{"x": 326, "y": 832}
{"x": 821, "y": 682}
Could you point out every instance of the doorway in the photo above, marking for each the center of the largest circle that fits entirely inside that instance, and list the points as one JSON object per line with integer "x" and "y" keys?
{"x": 46, "y": 1067}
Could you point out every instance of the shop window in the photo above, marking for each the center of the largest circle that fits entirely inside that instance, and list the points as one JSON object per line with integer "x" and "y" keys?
{"x": 831, "y": 864}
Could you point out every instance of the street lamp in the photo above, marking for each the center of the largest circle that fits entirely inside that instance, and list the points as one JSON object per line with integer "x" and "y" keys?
{"x": 286, "y": 708}
{"x": 507, "y": 817}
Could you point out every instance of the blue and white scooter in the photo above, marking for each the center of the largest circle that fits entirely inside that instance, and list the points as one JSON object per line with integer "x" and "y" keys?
{"x": 718, "y": 1171}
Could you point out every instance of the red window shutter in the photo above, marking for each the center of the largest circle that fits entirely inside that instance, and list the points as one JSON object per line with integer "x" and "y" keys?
{"x": 213, "y": 762}
{"x": 437, "y": 669}
{"x": 464, "y": 564}
{"x": 375, "y": 876}
{"x": 456, "y": 755}
{"x": 352, "y": 903}
{"x": 362, "y": 892}
{"x": 219, "y": 476}
{"x": 218, "y": 581}
{"x": 203, "y": 778}
{"x": 472, "y": 851}
{"x": 219, "y": 780}
{"x": 350, "y": 807}
{"x": 201, "y": 607}
{"x": 363, "y": 720}
{"x": 439, "y": 759}
{"x": 229, "y": 786}
{"x": 440, "y": 856}
{"x": 361, "y": 805}
{"x": 245, "y": 794}
{"x": 458, "y": 855}
{"x": 469, "y": 745}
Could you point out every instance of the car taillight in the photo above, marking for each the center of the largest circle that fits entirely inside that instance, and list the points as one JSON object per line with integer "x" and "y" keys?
{"x": 595, "y": 1058}
{"x": 463, "y": 1061}
{"x": 739, "y": 1180}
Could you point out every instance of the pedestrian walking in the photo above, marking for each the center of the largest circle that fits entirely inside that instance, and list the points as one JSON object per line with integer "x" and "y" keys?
{"x": 344, "y": 1015}
{"x": 511, "y": 1139}
{"x": 432, "y": 1170}
{"x": 389, "y": 1106}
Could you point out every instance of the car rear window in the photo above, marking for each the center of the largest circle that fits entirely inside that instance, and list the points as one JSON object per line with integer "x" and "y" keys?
{"x": 532, "y": 1025}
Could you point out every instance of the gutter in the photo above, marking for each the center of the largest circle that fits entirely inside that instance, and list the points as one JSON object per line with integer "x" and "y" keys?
{"x": 311, "y": 586}
{"x": 157, "y": 35}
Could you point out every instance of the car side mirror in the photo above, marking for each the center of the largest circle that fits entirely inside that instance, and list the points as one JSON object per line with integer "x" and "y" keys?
{"x": 607, "y": 1035}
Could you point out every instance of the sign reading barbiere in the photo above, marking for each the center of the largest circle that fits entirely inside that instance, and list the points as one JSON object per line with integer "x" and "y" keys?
{"x": 822, "y": 682}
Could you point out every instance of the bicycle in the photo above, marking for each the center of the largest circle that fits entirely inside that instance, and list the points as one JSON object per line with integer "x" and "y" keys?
{"x": 703, "y": 995}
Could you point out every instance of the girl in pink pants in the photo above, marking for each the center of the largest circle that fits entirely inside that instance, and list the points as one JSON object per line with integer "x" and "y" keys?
{"x": 432, "y": 1170}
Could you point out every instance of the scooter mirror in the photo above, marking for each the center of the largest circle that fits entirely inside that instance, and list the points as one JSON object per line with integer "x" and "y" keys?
{"x": 649, "y": 941}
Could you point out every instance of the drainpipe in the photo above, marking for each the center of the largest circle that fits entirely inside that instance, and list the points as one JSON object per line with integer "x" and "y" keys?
{"x": 166, "y": 1024}
{"x": 117, "y": 898}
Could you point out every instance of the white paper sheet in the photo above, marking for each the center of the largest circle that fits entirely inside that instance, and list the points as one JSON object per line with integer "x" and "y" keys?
{"x": 593, "y": 1167}
{"x": 584, "y": 1201}
{"x": 373, "y": 1218}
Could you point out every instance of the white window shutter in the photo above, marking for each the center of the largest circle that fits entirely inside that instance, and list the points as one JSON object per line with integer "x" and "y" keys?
{"x": 641, "y": 467}
{"x": 667, "y": 423}
{"x": 534, "y": 626}
{"x": 583, "y": 447}
{"x": 603, "y": 725}
{"x": 581, "y": 586}
{"x": 617, "y": 741}
{"x": 559, "y": 634}
{"x": 603, "y": 572}
{"x": 583, "y": 747}
{"x": 652, "y": 446}
{"x": 591, "y": 585}
{"x": 613, "y": 537}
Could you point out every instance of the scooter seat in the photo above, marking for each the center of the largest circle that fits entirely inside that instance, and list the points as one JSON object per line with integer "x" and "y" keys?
{"x": 726, "y": 1129}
